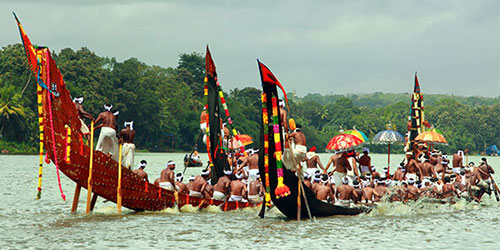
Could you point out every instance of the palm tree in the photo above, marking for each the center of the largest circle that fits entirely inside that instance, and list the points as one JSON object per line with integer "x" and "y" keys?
{"x": 13, "y": 114}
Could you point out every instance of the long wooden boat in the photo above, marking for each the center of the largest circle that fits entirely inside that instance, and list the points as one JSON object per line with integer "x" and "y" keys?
{"x": 62, "y": 140}
{"x": 281, "y": 184}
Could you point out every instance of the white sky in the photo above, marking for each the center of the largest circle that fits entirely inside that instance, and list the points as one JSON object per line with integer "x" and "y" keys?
{"x": 323, "y": 46}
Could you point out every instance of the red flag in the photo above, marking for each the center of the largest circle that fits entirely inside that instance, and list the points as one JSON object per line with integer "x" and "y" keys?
{"x": 209, "y": 64}
{"x": 417, "y": 86}
{"x": 267, "y": 77}
{"x": 28, "y": 47}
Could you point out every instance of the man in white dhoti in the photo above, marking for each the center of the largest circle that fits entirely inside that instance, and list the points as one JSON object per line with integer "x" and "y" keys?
{"x": 107, "y": 142}
{"x": 82, "y": 114}
{"x": 127, "y": 136}
{"x": 293, "y": 155}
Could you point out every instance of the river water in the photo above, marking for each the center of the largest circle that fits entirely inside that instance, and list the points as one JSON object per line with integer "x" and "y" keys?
{"x": 27, "y": 223}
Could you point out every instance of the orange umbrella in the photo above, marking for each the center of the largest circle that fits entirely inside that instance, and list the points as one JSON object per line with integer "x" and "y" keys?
{"x": 431, "y": 137}
{"x": 343, "y": 141}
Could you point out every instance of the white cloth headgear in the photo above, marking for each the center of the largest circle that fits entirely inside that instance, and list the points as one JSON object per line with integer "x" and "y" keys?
{"x": 239, "y": 176}
{"x": 170, "y": 163}
{"x": 282, "y": 103}
{"x": 205, "y": 172}
{"x": 131, "y": 123}
{"x": 191, "y": 178}
{"x": 143, "y": 164}
{"x": 78, "y": 100}
{"x": 345, "y": 180}
{"x": 108, "y": 107}
{"x": 179, "y": 177}
{"x": 116, "y": 113}
{"x": 228, "y": 172}
{"x": 366, "y": 150}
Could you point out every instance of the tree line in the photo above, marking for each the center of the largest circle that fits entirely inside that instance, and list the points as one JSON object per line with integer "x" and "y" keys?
{"x": 165, "y": 104}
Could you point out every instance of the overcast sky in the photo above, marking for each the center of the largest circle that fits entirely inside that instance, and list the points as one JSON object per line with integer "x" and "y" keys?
{"x": 328, "y": 46}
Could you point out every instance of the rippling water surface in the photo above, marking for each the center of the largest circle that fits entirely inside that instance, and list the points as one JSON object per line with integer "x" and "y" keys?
{"x": 27, "y": 223}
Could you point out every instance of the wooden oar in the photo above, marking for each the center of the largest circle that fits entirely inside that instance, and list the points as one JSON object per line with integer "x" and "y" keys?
{"x": 119, "y": 188}
{"x": 495, "y": 188}
{"x": 89, "y": 181}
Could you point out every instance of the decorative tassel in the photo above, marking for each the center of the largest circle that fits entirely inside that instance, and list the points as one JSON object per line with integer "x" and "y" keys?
{"x": 281, "y": 190}
{"x": 265, "y": 121}
{"x": 68, "y": 143}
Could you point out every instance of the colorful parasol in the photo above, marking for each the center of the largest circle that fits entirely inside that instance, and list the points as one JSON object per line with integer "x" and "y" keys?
{"x": 343, "y": 142}
{"x": 431, "y": 137}
{"x": 357, "y": 133}
{"x": 388, "y": 137}
{"x": 244, "y": 140}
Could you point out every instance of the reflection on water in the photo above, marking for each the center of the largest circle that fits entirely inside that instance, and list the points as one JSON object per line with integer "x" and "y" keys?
{"x": 48, "y": 224}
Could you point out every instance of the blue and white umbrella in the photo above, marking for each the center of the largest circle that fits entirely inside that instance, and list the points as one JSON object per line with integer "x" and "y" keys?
{"x": 388, "y": 137}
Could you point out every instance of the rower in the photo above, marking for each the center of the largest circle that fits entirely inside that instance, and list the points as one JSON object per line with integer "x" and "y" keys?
{"x": 256, "y": 191}
{"x": 345, "y": 193}
{"x": 412, "y": 167}
{"x": 199, "y": 184}
{"x": 107, "y": 142}
{"x": 358, "y": 191}
{"x": 167, "y": 176}
{"x": 381, "y": 189}
{"x": 221, "y": 189}
{"x": 312, "y": 161}
{"x": 140, "y": 170}
{"x": 238, "y": 188}
{"x": 324, "y": 192}
{"x": 179, "y": 186}
{"x": 82, "y": 114}
{"x": 126, "y": 138}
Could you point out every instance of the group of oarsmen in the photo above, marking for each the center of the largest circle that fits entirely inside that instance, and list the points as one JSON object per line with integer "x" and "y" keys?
{"x": 109, "y": 139}
{"x": 429, "y": 175}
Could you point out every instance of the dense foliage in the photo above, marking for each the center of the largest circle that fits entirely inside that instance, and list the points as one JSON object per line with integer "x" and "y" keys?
{"x": 165, "y": 104}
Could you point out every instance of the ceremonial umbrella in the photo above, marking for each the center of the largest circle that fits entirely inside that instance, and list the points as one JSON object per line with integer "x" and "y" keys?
{"x": 343, "y": 142}
{"x": 388, "y": 136}
{"x": 244, "y": 140}
{"x": 357, "y": 133}
{"x": 432, "y": 137}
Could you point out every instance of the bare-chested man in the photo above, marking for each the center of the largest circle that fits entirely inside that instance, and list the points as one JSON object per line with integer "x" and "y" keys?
{"x": 199, "y": 184}
{"x": 324, "y": 192}
{"x": 458, "y": 161}
{"x": 221, "y": 189}
{"x": 359, "y": 192}
{"x": 238, "y": 188}
{"x": 167, "y": 176}
{"x": 448, "y": 189}
{"x": 333, "y": 159}
{"x": 428, "y": 169}
{"x": 82, "y": 114}
{"x": 293, "y": 155}
{"x": 283, "y": 116}
{"x": 369, "y": 193}
{"x": 483, "y": 176}
{"x": 345, "y": 193}
{"x": 179, "y": 186}
{"x": 381, "y": 189}
{"x": 107, "y": 142}
{"x": 400, "y": 173}
{"x": 126, "y": 138}
{"x": 412, "y": 168}
{"x": 203, "y": 124}
{"x": 252, "y": 162}
{"x": 365, "y": 162}
{"x": 341, "y": 167}
{"x": 140, "y": 170}
{"x": 256, "y": 191}
{"x": 412, "y": 192}
{"x": 312, "y": 161}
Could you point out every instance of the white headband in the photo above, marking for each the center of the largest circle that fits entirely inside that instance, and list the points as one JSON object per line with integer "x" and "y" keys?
{"x": 142, "y": 164}
{"x": 78, "y": 100}
{"x": 228, "y": 172}
{"x": 131, "y": 123}
{"x": 108, "y": 108}
{"x": 170, "y": 163}
{"x": 345, "y": 180}
{"x": 191, "y": 178}
{"x": 239, "y": 176}
{"x": 116, "y": 113}
{"x": 204, "y": 172}
{"x": 282, "y": 103}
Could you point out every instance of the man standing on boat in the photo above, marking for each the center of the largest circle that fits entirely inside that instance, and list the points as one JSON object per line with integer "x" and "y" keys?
{"x": 412, "y": 167}
{"x": 82, "y": 114}
{"x": 365, "y": 162}
{"x": 203, "y": 124}
{"x": 293, "y": 155}
{"x": 312, "y": 161}
{"x": 167, "y": 176}
{"x": 108, "y": 142}
{"x": 127, "y": 136}
{"x": 140, "y": 171}
{"x": 458, "y": 161}
{"x": 342, "y": 166}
